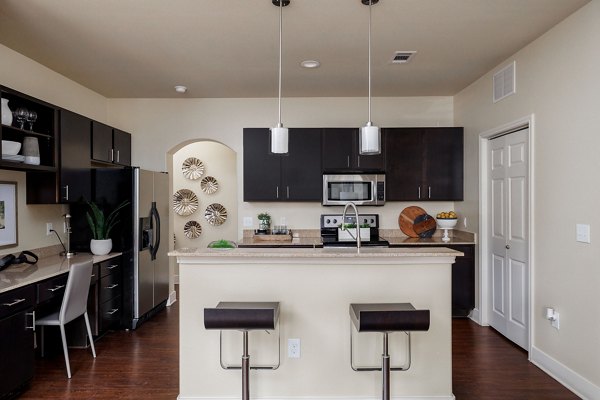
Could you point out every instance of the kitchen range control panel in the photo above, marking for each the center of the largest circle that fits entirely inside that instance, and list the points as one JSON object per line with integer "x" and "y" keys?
{"x": 334, "y": 220}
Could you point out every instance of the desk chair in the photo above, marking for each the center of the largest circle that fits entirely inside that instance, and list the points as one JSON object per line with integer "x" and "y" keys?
{"x": 74, "y": 305}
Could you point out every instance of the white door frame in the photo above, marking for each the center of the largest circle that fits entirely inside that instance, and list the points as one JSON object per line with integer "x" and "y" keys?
{"x": 484, "y": 269}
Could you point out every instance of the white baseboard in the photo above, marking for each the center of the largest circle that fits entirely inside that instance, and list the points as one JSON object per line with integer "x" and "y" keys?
{"x": 566, "y": 376}
{"x": 451, "y": 397}
{"x": 476, "y": 316}
{"x": 172, "y": 298}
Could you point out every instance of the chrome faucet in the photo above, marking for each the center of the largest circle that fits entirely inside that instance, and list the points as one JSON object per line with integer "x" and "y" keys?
{"x": 357, "y": 238}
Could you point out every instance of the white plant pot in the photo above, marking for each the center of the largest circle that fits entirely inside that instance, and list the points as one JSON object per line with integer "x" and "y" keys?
{"x": 101, "y": 247}
{"x": 344, "y": 235}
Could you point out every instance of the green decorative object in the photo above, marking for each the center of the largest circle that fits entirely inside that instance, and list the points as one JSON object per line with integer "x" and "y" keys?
{"x": 100, "y": 225}
{"x": 264, "y": 221}
{"x": 222, "y": 244}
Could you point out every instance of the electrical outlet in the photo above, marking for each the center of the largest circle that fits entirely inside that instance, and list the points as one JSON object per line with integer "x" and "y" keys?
{"x": 248, "y": 222}
{"x": 49, "y": 228}
{"x": 555, "y": 321}
{"x": 293, "y": 348}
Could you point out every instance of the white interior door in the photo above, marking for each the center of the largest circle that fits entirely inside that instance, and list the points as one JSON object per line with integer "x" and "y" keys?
{"x": 508, "y": 236}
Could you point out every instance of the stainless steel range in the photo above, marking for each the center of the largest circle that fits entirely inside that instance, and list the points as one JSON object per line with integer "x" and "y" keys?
{"x": 331, "y": 222}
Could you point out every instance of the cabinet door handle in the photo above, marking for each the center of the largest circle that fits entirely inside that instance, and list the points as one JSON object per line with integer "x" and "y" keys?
{"x": 112, "y": 155}
{"x": 419, "y": 192}
{"x": 358, "y": 160}
{"x": 57, "y": 287}
{"x": 114, "y": 285}
{"x": 429, "y": 191}
{"x": 118, "y": 156}
{"x": 112, "y": 266}
{"x": 277, "y": 192}
{"x": 32, "y": 314}
{"x": 14, "y": 303}
{"x": 66, "y": 192}
{"x": 288, "y": 192}
{"x": 348, "y": 161}
{"x": 111, "y": 312}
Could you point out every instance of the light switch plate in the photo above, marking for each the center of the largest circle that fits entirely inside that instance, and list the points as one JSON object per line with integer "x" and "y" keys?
{"x": 583, "y": 233}
{"x": 248, "y": 222}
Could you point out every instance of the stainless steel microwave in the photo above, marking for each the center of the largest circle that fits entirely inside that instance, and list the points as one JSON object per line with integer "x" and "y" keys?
{"x": 340, "y": 189}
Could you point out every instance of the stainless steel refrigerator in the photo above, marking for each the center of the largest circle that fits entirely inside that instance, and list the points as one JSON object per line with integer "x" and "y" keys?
{"x": 150, "y": 236}
{"x": 141, "y": 235}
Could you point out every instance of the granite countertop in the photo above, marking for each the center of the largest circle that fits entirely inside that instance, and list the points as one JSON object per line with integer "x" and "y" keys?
{"x": 19, "y": 275}
{"x": 331, "y": 252}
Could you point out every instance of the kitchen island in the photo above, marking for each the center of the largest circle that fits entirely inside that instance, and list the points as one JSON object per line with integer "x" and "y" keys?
{"x": 314, "y": 288}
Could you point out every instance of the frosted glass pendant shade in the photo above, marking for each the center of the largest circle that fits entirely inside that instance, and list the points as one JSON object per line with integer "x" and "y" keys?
{"x": 279, "y": 140}
{"x": 369, "y": 140}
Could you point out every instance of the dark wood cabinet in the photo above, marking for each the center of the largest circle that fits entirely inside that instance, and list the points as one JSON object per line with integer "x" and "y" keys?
{"x": 102, "y": 142}
{"x": 424, "y": 164}
{"x": 292, "y": 177}
{"x": 41, "y": 132}
{"x": 122, "y": 147}
{"x": 340, "y": 152}
{"x": 110, "y": 145}
{"x": 17, "y": 344}
{"x": 75, "y": 144}
{"x": 463, "y": 278}
{"x": 110, "y": 289}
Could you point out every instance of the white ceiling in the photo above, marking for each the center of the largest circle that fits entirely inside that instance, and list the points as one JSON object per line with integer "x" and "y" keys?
{"x": 229, "y": 48}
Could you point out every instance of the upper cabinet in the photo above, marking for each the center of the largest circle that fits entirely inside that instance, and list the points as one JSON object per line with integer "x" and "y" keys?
{"x": 28, "y": 131}
{"x": 110, "y": 145}
{"x": 75, "y": 164}
{"x": 424, "y": 164}
{"x": 341, "y": 152}
{"x": 292, "y": 177}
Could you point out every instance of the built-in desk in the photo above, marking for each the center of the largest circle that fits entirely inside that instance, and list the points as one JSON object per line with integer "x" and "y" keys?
{"x": 29, "y": 290}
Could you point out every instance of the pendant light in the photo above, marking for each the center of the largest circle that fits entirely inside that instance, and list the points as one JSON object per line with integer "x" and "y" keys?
{"x": 279, "y": 134}
{"x": 369, "y": 139}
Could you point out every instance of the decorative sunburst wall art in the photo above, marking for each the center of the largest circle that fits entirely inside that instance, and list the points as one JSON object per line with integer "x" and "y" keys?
{"x": 215, "y": 214}
{"x": 192, "y": 168}
{"x": 185, "y": 202}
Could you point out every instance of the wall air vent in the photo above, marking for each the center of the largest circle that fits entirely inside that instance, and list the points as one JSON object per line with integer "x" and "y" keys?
{"x": 505, "y": 82}
{"x": 402, "y": 57}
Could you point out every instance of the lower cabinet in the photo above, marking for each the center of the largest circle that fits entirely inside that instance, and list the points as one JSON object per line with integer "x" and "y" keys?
{"x": 463, "y": 279}
{"x": 17, "y": 340}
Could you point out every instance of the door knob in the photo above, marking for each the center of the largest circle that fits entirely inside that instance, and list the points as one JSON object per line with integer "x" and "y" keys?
{"x": 507, "y": 246}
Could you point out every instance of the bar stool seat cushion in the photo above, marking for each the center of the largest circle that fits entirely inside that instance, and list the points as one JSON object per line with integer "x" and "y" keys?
{"x": 242, "y": 316}
{"x": 388, "y": 317}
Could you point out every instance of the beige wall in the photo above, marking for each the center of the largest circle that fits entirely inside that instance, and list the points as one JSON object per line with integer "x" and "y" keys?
{"x": 162, "y": 124}
{"x": 558, "y": 82}
{"x": 32, "y": 219}
{"x": 25, "y": 75}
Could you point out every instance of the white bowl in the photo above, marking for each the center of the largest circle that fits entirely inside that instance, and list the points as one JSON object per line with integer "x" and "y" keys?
{"x": 10, "y": 148}
{"x": 447, "y": 223}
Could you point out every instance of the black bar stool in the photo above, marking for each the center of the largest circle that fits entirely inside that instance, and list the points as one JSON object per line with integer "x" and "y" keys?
{"x": 243, "y": 316}
{"x": 385, "y": 318}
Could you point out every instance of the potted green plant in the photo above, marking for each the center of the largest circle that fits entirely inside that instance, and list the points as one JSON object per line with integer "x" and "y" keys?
{"x": 101, "y": 227}
{"x": 347, "y": 232}
{"x": 264, "y": 221}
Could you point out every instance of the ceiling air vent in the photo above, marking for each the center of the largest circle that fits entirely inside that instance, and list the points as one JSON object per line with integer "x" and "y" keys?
{"x": 504, "y": 82}
{"x": 402, "y": 57}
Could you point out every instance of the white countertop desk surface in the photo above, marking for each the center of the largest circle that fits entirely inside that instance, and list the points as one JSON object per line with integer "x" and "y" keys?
{"x": 20, "y": 275}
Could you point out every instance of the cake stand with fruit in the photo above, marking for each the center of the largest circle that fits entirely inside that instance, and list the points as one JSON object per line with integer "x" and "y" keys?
{"x": 446, "y": 221}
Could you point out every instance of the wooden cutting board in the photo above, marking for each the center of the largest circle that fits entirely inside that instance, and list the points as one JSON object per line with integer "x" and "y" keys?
{"x": 415, "y": 222}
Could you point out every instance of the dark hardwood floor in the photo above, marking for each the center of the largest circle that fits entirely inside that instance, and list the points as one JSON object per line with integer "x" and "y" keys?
{"x": 143, "y": 364}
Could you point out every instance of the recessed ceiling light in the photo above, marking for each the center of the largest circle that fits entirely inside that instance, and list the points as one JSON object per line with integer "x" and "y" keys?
{"x": 310, "y": 64}
{"x": 180, "y": 89}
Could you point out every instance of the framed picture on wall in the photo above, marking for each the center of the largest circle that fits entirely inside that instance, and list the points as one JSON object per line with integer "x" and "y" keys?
{"x": 8, "y": 214}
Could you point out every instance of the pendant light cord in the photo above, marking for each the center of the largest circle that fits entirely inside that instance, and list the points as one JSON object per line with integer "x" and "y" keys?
{"x": 370, "y": 4}
{"x": 280, "y": 39}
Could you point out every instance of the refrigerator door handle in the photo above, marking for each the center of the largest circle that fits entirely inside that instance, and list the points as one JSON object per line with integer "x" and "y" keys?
{"x": 154, "y": 247}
